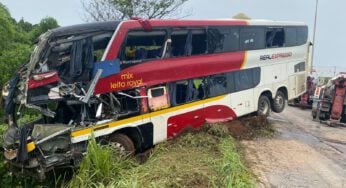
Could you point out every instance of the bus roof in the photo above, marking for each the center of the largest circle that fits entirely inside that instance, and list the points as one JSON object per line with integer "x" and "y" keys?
{"x": 172, "y": 22}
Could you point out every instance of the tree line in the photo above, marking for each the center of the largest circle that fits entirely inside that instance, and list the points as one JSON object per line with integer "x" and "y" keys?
{"x": 17, "y": 39}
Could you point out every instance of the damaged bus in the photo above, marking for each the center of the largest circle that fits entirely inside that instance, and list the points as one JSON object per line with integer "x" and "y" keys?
{"x": 139, "y": 82}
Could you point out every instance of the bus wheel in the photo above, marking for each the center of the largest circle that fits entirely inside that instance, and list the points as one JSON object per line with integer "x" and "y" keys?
{"x": 122, "y": 143}
{"x": 279, "y": 103}
{"x": 263, "y": 106}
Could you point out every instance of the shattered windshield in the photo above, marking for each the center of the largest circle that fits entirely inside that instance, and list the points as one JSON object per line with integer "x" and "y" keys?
{"x": 60, "y": 73}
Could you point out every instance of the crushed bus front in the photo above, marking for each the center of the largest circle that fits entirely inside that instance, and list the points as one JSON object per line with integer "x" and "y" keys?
{"x": 52, "y": 95}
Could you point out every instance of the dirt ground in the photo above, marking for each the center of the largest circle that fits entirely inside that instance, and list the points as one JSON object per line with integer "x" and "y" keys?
{"x": 303, "y": 153}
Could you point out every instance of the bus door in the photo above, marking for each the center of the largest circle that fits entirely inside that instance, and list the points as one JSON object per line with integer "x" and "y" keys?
{"x": 297, "y": 81}
{"x": 158, "y": 102}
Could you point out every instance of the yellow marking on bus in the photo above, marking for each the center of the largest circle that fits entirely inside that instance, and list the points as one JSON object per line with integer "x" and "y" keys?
{"x": 244, "y": 61}
{"x": 144, "y": 116}
{"x": 30, "y": 146}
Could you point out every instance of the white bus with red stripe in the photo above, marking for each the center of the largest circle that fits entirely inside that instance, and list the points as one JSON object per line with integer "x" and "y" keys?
{"x": 160, "y": 77}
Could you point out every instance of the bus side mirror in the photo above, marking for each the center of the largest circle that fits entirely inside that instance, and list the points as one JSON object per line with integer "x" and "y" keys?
{"x": 167, "y": 49}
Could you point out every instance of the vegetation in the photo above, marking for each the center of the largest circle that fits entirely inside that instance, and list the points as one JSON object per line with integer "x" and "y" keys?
{"x": 105, "y": 10}
{"x": 17, "y": 40}
{"x": 208, "y": 158}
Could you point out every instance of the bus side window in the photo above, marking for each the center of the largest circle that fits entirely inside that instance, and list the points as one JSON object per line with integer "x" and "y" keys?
{"x": 186, "y": 91}
{"x": 199, "y": 42}
{"x": 291, "y": 36}
{"x": 188, "y": 42}
{"x": 158, "y": 98}
{"x": 247, "y": 79}
{"x": 179, "y": 38}
{"x": 275, "y": 37}
{"x": 198, "y": 88}
{"x": 302, "y": 35}
{"x": 251, "y": 38}
{"x": 141, "y": 45}
{"x": 223, "y": 39}
{"x": 217, "y": 85}
{"x": 181, "y": 92}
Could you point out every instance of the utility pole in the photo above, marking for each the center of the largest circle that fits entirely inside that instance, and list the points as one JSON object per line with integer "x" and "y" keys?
{"x": 314, "y": 40}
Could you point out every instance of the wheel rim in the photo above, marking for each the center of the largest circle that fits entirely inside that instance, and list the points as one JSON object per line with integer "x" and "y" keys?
{"x": 280, "y": 101}
{"x": 118, "y": 147}
{"x": 264, "y": 107}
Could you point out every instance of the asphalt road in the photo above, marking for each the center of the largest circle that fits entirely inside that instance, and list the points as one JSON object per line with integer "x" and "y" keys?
{"x": 304, "y": 153}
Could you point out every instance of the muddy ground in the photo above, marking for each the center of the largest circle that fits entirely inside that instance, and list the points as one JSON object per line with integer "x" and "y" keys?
{"x": 302, "y": 153}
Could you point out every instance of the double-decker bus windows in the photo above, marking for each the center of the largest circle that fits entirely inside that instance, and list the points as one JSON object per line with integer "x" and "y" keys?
{"x": 291, "y": 36}
{"x": 302, "y": 35}
{"x": 251, "y": 38}
{"x": 256, "y": 76}
{"x": 223, "y": 39}
{"x": 179, "y": 38}
{"x": 198, "y": 88}
{"x": 198, "y": 42}
{"x": 217, "y": 85}
{"x": 188, "y": 42}
{"x": 186, "y": 91}
{"x": 141, "y": 45}
{"x": 247, "y": 79}
{"x": 275, "y": 37}
{"x": 181, "y": 92}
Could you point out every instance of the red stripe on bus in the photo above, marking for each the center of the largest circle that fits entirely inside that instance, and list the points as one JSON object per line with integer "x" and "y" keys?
{"x": 172, "y": 69}
{"x": 195, "y": 119}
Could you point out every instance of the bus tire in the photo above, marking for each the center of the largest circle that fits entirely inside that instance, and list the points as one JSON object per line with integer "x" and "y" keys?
{"x": 263, "y": 106}
{"x": 122, "y": 143}
{"x": 279, "y": 102}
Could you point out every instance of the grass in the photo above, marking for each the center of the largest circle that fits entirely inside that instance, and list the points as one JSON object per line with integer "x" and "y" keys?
{"x": 101, "y": 165}
{"x": 208, "y": 158}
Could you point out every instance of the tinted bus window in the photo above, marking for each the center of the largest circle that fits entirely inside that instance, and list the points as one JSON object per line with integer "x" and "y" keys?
{"x": 247, "y": 79}
{"x": 252, "y": 38}
{"x": 291, "y": 36}
{"x": 181, "y": 92}
{"x": 198, "y": 42}
{"x": 179, "y": 38}
{"x": 223, "y": 39}
{"x": 231, "y": 82}
{"x": 275, "y": 37}
{"x": 188, "y": 42}
{"x": 217, "y": 85}
{"x": 302, "y": 35}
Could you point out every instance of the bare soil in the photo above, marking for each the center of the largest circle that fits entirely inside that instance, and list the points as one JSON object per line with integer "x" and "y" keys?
{"x": 251, "y": 127}
{"x": 304, "y": 153}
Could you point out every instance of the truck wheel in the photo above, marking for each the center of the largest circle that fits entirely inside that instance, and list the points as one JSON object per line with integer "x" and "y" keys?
{"x": 263, "y": 106}
{"x": 279, "y": 103}
{"x": 122, "y": 143}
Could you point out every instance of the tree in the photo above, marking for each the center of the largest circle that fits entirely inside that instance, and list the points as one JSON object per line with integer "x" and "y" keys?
{"x": 105, "y": 10}
{"x": 6, "y": 28}
{"x": 16, "y": 41}
{"x": 242, "y": 16}
{"x": 44, "y": 25}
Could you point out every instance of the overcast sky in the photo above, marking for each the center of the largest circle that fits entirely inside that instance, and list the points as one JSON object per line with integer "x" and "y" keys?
{"x": 330, "y": 35}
